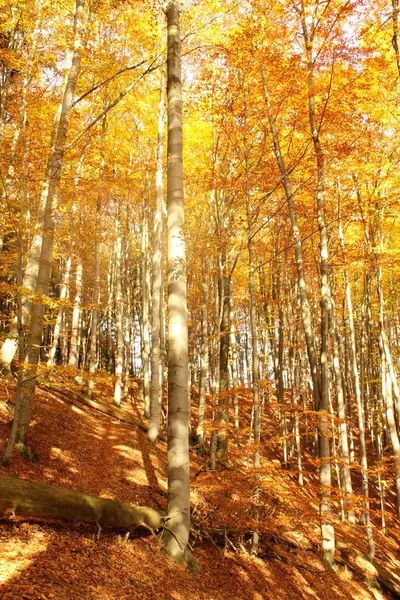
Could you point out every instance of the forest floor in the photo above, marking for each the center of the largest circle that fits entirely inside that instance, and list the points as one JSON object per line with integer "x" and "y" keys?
{"x": 80, "y": 448}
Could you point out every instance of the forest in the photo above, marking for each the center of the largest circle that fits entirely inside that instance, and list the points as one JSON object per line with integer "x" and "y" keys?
{"x": 199, "y": 319}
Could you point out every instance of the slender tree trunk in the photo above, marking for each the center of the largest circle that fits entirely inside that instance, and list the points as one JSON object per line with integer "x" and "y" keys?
{"x": 305, "y": 307}
{"x": 360, "y": 413}
{"x": 26, "y": 391}
{"x": 278, "y": 334}
{"x": 345, "y": 453}
{"x": 203, "y": 356}
{"x": 156, "y": 298}
{"x": 253, "y": 328}
{"x": 178, "y": 517}
{"x": 327, "y": 529}
{"x": 378, "y": 433}
{"x": 234, "y": 370}
{"x": 214, "y": 356}
{"x": 76, "y": 317}
{"x": 388, "y": 399}
{"x": 57, "y": 327}
{"x": 109, "y": 313}
{"x": 223, "y": 400}
{"x": 93, "y": 355}
{"x": 119, "y": 316}
{"x": 345, "y": 473}
{"x": 145, "y": 307}
{"x": 49, "y": 188}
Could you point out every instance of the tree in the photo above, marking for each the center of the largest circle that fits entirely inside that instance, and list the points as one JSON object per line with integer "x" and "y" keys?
{"x": 27, "y": 378}
{"x": 157, "y": 363}
{"x": 20, "y": 497}
{"x": 175, "y": 542}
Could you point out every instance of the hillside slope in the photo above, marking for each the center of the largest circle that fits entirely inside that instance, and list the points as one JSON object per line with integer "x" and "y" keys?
{"x": 80, "y": 448}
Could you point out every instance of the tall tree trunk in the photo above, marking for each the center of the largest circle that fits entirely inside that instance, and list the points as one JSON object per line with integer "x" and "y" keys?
{"x": 157, "y": 295}
{"x": 253, "y": 328}
{"x": 203, "y": 356}
{"x": 360, "y": 411}
{"x": 214, "y": 358}
{"x": 109, "y": 314}
{"x": 305, "y": 306}
{"x": 278, "y": 346}
{"x": 76, "y": 318}
{"x": 26, "y": 391}
{"x": 31, "y": 271}
{"x": 119, "y": 315}
{"x": 345, "y": 469}
{"x": 176, "y": 543}
{"x": 327, "y": 530}
{"x": 234, "y": 374}
{"x": 145, "y": 307}
{"x": 388, "y": 399}
{"x": 93, "y": 355}
{"x": 51, "y": 359}
{"x": 223, "y": 400}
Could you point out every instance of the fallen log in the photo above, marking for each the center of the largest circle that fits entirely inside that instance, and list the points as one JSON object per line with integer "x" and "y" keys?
{"x": 20, "y": 497}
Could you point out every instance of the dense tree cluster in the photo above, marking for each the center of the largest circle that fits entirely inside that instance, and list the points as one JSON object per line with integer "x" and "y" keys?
{"x": 290, "y": 170}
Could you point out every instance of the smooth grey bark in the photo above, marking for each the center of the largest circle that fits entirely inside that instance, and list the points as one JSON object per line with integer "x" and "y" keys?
{"x": 296, "y": 420}
{"x": 253, "y": 328}
{"x": 220, "y": 212}
{"x": 109, "y": 313}
{"x": 379, "y": 417}
{"x": 345, "y": 473}
{"x": 215, "y": 363}
{"x": 386, "y": 349}
{"x": 309, "y": 25}
{"x": 31, "y": 270}
{"x": 157, "y": 366}
{"x": 345, "y": 452}
{"x": 119, "y": 314}
{"x": 76, "y": 320}
{"x": 178, "y": 517}
{"x": 390, "y": 388}
{"x": 361, "y": 421}
{"x": 277, "y": 346}
{"x": 26, "y": 390}
{"x": 57, "y": 327}
{"x": 366, "y": 518}
{"x": 224, "y": 334}
{"x": 234, "y": 372}
{"x": 76, "y": 317}
{"x": 93, "y": 358}
{"x": 20, "y": 497}
{"x": 145, "y": 307}
{"x": 203, "y": 356}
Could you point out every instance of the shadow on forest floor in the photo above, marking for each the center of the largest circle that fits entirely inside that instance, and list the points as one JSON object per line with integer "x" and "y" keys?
{"x": 83, "y": 449}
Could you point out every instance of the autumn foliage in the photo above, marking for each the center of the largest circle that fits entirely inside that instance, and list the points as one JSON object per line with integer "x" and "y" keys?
{"x": 291, "y": 273}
